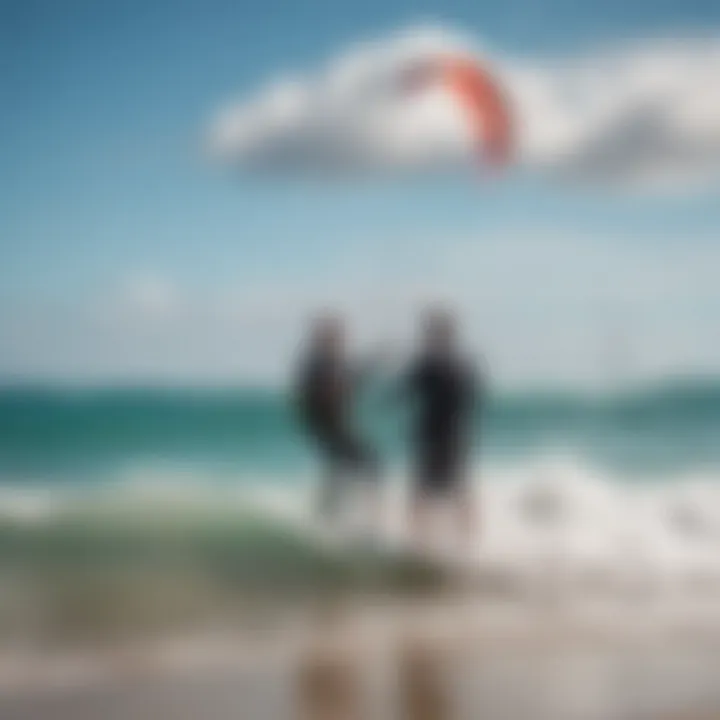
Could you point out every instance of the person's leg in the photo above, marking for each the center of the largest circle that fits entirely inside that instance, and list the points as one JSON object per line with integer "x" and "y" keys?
{"x": 449, "y": 482}
{"x": 421, "y": 516}
{"x": 424, "y": 492}
{"x": 331, "y": 491}
{"x": 346, "y": 459}
{"x": 466, "y": 520}
{"x": 375, "y": 491}
{"x": 329, "y": 494}
{"x": 466, "y": 511}
{"x": 367, "y": 471}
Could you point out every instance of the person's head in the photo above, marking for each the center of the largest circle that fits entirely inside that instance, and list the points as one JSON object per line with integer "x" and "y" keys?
{"x": 439, "y": 331}
{"x": 327, "y": 335}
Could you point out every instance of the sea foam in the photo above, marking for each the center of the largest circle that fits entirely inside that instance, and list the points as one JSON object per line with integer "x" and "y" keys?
{"x": 550, "y": 522}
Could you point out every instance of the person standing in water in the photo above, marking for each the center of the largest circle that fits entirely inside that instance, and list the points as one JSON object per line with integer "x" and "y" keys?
{"x": 326, "y": 396}
{"x": 444, "y": 391}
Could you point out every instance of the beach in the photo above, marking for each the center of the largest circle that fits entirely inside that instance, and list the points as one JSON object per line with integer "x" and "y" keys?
{"x": 439, "y": 660}
{"x": 160, "y": 558}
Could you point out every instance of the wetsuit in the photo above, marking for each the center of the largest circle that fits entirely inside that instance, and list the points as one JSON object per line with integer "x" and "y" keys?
{"x": 445, "y": 391}
{"x": 325, "y": 395}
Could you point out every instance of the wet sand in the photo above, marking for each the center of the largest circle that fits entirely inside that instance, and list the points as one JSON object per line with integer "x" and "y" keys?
{"x": 423, "y": 664}
{"x": 428, "y": 686}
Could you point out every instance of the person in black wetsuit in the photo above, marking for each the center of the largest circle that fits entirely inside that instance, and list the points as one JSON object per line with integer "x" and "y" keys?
{"x": 443, "y": 387}
{"x": 326, "y": 394}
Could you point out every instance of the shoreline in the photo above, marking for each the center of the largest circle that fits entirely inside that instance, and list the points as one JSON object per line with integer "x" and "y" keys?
{"x": 465, "y": 624}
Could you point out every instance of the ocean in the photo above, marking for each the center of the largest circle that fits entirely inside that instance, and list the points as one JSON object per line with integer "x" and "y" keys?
{"x": 67, "y": 435}
{"x": 178, "y": 503}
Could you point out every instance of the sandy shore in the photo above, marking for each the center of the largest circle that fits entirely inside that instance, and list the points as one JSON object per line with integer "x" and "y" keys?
{"x": 430, "y": 661}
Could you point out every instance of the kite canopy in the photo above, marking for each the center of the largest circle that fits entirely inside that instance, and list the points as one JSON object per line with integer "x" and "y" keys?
{"x": 480, "y": 96}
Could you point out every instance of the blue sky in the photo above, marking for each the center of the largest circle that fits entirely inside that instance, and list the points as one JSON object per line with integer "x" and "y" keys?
{"x": 109, "y": 203}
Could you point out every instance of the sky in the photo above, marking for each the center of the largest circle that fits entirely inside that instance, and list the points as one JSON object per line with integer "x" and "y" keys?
{"x": 128, "y": 254}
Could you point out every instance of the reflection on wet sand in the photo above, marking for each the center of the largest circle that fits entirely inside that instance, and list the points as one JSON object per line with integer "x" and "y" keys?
{"x": 403, "y": 668}
{"x": 329, "y": 683}
{"x": 333, "y": 682}
{"x": 424, "y": 694}
{"x": 428, "y": 676}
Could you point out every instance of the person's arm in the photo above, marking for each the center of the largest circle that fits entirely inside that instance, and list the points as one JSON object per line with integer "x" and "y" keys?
{"x": 372, "y": 365}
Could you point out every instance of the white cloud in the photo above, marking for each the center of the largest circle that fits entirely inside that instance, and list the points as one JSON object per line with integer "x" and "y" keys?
{"x": 645, "y": 115}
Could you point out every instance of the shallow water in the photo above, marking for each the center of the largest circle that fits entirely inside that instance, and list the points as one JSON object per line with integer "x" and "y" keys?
{"x": 141, "y": 511}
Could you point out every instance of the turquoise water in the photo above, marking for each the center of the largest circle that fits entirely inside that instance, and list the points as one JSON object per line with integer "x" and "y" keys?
{"x": 133, "y": 509}
{"x": 63, "y": 434}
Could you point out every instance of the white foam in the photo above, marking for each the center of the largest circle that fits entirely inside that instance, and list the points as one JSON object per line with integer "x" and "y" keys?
{"x": 545, "y": 518}
{"x": 558, "y": 517}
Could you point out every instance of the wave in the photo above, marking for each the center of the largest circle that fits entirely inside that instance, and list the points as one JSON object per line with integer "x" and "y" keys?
{"x": 162, "y": 552}
{"x": 130, "y": 510}
{"x": 62, "y": 433}
{"x": 552, "y": 511}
